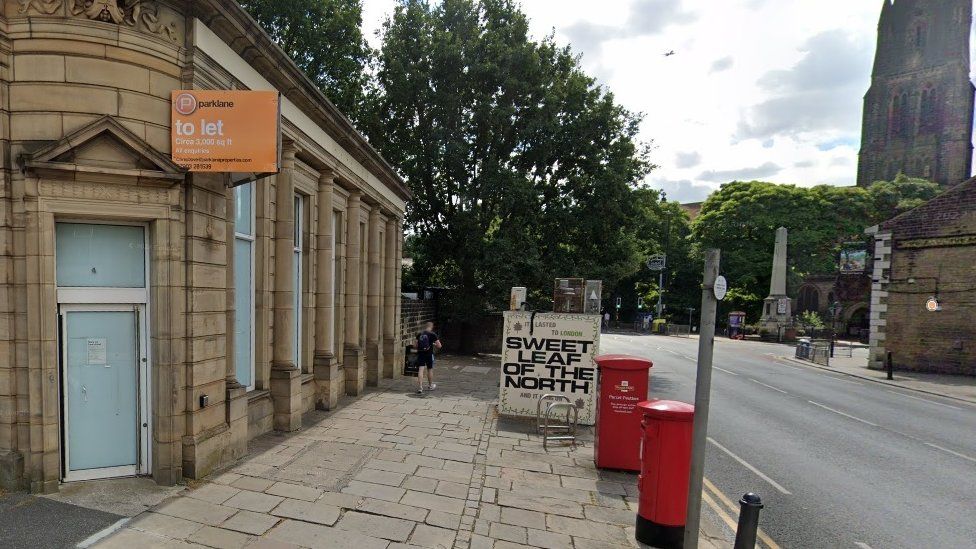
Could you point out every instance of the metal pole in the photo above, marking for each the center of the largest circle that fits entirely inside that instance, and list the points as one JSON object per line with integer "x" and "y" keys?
{"x": 703, "y": 387}
{"x": 660, "y": 293}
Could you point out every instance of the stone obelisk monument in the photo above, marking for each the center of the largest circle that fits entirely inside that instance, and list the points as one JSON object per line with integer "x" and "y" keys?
{"x": 776, "y": 308}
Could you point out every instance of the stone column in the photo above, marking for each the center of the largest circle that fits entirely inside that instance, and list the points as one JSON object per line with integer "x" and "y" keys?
{"x": 775, "y": 316}
{"x": 374, "y": 350}
{"x": 390, "y": 298}
{"x": 325, "y": 365}
{"x": 236, "y": 402}
{"x": 286, "y": 388}
{"x": 352, "y": 356}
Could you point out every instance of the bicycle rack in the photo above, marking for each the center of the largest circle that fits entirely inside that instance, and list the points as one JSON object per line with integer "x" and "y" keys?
{"x": 569, "y": 428}
{"x": 550, "y": 398}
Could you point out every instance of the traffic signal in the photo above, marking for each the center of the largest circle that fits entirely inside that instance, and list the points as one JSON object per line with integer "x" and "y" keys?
{"x": 619, "y": 302}
{"x": 640, "y": 302}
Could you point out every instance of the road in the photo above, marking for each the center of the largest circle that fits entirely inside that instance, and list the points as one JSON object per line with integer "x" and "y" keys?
{"x": 839, "y": 462}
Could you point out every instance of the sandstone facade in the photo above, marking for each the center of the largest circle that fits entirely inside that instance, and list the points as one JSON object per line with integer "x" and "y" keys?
{"x": 85, "y": 135}
{"x": 927, "y": 253}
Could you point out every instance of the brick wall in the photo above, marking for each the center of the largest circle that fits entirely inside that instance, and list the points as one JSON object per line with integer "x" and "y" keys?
{"x": 414, "y": 313}
{"x": 932, "y": 253}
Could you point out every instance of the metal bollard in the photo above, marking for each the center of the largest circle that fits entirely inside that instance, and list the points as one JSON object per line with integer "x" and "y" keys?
{"x": 745, "y": 535}
{"x": 889, "y": 366}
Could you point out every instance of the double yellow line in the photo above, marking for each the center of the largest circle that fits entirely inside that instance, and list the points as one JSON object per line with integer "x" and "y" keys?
{"x": 730, "y": 512}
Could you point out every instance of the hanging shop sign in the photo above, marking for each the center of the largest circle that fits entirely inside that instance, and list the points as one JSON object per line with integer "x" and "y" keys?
{"x": 231, "y": 131}
{"x": 549, "y": 353}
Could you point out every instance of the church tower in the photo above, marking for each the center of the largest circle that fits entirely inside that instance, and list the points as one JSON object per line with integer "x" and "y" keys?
{"x": 918, "y": 113}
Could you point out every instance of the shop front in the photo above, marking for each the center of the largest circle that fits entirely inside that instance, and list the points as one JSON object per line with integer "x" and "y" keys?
{"x": 153, "y": 317}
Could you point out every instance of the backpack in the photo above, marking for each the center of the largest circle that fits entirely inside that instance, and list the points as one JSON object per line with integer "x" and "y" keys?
{"x": 423, "y": 342}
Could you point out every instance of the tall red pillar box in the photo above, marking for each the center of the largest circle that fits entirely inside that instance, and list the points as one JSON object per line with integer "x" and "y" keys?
{"x": 621, "y": 384}
{"x": 665, "y": 452}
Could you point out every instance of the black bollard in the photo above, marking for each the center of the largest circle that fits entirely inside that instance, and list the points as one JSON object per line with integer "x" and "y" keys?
{"x": 745, "y": 535}
{"x": 889, "y": 366}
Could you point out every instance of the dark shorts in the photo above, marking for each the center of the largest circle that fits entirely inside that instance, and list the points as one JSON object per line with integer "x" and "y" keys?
{"x": 425, "y": 359}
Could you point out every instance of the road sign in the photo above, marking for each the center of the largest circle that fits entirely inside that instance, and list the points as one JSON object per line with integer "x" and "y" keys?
{"x": 657, "y": 262}
{"x": 721, "y": 288}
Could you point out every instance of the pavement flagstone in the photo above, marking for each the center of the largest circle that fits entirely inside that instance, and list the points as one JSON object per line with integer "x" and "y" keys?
{"x": 392, "y": 469}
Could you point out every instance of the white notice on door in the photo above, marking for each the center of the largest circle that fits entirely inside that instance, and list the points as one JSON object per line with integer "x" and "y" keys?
{"x": 97, "y": 351}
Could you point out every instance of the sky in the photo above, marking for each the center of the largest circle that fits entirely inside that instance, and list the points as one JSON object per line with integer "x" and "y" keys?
{"x": 756, "y": 89}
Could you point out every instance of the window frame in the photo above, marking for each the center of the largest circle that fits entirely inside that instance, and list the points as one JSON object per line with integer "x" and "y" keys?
{"x": 250, "y": 239}
{"x": 298, "y": 257}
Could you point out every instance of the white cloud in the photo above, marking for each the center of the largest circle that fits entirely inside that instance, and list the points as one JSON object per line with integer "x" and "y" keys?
{"x": 754, "y": 84}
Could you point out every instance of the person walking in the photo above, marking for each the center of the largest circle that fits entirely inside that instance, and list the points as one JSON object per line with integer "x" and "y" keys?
{"x": 427, "y": 342}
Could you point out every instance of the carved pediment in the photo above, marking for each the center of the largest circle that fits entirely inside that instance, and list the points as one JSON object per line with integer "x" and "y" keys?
{"x": 143, "y": 15}
{"x": 105, "y": 147}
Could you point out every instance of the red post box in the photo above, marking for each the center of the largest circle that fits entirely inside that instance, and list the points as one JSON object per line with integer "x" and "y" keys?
{"x": 621, "y": 384}
{"x": 665, "y": 469}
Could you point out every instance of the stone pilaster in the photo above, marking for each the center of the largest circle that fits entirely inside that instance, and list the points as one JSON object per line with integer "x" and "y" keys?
{"x": 879, "y": 298}
{"x": 325, "y": 366}
{"x": 286, "y": 387}
{"x": 374, "y": 349}
{"x": 390, "y": 297}
{"x": 352, "y": 356}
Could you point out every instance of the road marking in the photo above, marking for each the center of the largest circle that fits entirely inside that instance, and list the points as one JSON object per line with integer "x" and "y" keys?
{"x": 768, "y": 386}
{"x": 923, "y": 399}
{"x": 957, "y": 454}
{"x": 829, "y": 409}
{"x": 745, "y": 464}
{"x": 862, "y": 545}
{"x": 99, "y": 536}
{"x": 724, "y": 370}
{"x": 732, "y": 522}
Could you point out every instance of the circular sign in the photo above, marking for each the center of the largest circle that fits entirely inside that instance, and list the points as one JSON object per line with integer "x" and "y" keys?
{"x": 933, "y": 305}
{"x": 185, "y": 104}
{"x": 721, "y": 288}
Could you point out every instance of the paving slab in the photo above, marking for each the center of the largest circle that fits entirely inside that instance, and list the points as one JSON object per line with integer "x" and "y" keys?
{"x": 317, "y": 512}
{"x": 391, "y": 471}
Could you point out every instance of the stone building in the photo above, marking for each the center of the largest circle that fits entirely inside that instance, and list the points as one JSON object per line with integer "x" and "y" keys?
{"x": 924, "y": 289}
{"x": 918, "y": 113}
{"x": 152, "y": 321}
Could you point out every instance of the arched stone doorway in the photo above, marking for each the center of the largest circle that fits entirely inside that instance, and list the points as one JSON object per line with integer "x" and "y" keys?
{"x": 858, "y": 323}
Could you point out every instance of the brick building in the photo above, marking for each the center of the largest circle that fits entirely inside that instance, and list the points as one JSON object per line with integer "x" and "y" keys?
{"x": 152, "y": 321}
{"x": 918, "y": 113}
{"x": 927, "y": 253}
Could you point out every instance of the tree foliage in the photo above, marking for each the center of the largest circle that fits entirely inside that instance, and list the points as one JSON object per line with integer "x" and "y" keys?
{"x": 521, "y": 167}
{"x": 325, "y": 40}
{"x": 741, "y": 219}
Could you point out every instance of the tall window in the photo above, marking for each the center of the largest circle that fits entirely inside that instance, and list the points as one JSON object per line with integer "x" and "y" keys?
{"x": 244, "y": 284}
{"x": 299, "y": 243}
{"x": 338, "y": 277}
{"x": 928, "y": 118}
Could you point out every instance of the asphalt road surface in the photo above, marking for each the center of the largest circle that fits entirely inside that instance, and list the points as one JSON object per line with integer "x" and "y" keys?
{"x": 839, "y": 462}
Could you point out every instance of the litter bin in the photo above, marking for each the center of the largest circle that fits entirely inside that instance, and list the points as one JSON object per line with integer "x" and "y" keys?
{"x": 621, "y": 385}
{"x": 665, "y": 453}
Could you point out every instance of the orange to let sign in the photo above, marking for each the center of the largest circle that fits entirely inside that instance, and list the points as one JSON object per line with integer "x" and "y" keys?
{"x": 226, "y": 131}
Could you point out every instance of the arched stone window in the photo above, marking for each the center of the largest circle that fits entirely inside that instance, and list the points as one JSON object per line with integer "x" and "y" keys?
{"x": 928, "y": 116}
{"x": 809, "y": 300}
{"x": 894, "y": 117}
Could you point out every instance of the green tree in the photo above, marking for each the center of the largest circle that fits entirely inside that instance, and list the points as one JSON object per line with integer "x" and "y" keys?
{"x": 891, "y": 198}
{"x": 741, "y": 219}
{"x": 521, "y": 167}
{"x": 325, "y": 40}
